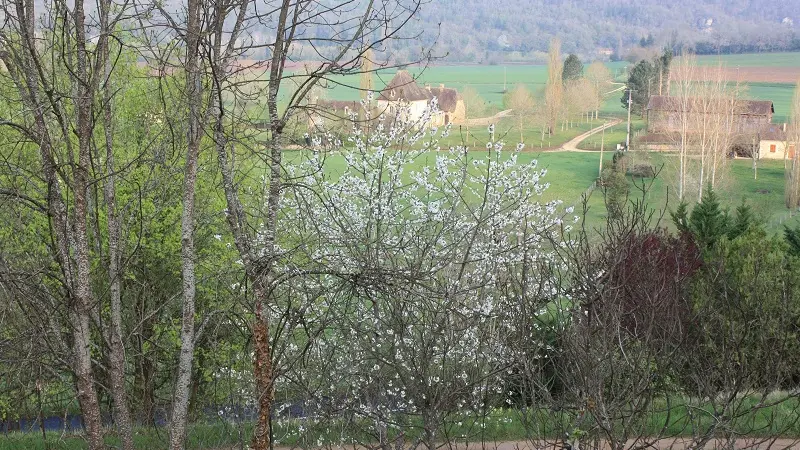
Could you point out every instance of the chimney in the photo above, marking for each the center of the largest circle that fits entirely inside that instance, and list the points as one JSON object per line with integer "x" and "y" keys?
{"x": 441, "y": 85}
{"x": 784, "y": 127}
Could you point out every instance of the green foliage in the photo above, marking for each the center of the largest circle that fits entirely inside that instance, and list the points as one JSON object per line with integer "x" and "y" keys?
{"x": 792, "y": 238}
{"x": 680, "y": 218}
{"x": 742, "y": 221}
{"x": 616, "y": 187}
{"x": 573, "y": 68}
{"x": 747, "y": 302}
{"x": 645, "y": 79}
{"x": 640, "y": 84}
{"x": 708, "y": 221}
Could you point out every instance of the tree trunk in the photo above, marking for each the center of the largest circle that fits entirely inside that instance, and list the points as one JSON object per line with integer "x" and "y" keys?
{"x": 122, "y": 415}
{"x": 263, "y": 373}
{"x": 83, "y": 301}
{"x": 180, "y": 405}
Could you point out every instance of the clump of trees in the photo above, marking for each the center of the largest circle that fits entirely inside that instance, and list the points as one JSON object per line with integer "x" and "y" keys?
{"x": 648, "y": 78}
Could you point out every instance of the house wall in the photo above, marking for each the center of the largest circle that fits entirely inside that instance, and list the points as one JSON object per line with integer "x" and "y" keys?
{"x": 415, "y": 110}
{"x": 766, "y": 147}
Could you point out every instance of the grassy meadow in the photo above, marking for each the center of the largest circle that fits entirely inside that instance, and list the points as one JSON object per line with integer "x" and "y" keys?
{"x": 571, "y": 174}
{"x": 778, "y": 59}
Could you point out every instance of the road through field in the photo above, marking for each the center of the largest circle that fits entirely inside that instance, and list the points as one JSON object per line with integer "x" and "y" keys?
{"x": 572, "y": 145}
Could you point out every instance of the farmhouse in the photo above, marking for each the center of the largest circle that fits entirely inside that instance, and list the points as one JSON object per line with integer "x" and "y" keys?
{"x": 404, "y": 92}
{"x": 664, "y": 113}
{"x": 774, "y": 143}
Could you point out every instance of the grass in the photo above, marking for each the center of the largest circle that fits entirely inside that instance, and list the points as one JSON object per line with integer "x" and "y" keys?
{"x": 780, "y": 59}
{"x": 507, "y": 129}
{"x": 612, "y": 136}
{"x": 781, "y": 95}
{"x": 496, "y": 426}
{"x": 571, "y": 174}
{"x": 764, "y": 194}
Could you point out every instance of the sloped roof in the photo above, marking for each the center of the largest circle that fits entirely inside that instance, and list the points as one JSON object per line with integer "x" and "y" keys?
{"x": 339, "y": 105}
{"x": 448, "y": 98}
{"x": 749, "y": 107}
{"x": 773, "y": 132}
{"x": 404, "y": 87}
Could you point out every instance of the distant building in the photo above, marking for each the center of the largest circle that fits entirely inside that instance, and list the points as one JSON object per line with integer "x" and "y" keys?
{"x": 753, "y": 127}
{"x": 323, "y": 113}
{"x": 605, "y": 52}
{"x": 664, "y": 114}
{"x": 404, "y": 92}
{"x": 774, "y": 143}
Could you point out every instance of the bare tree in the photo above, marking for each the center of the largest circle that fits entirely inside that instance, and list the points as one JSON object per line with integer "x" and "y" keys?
{"x": 554, "y": 89}
{"x": 521, "y": 102}
{"x": 367, "y": 76}
{"x": 682, "y": 102}
{"x": 792, "y": 189}
{"x": 600, "y": 78}
{"x": 474, "y": 107}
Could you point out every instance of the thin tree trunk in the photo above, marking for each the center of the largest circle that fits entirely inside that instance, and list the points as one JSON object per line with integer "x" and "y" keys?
{"x": 122, "y": 415}
{"x": 180, "y": 405}
{"x": 80, "y": 317}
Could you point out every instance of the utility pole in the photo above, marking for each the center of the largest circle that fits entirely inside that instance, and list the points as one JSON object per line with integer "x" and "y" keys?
{"x": 602, "y": 143}
{"x": 630, "y": 106}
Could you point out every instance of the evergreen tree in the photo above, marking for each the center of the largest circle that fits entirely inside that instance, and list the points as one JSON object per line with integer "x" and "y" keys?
{"x": 573, "y": 68}
{"x": 680, "y": 217}
{"x": 708, "y": 221}
{"x": 641, "y": 81}
{"x": 744, "y": 220}
{"x": 792, "y": 238}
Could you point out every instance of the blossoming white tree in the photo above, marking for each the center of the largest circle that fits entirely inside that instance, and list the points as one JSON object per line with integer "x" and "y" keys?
{"x": 417, "y": 244}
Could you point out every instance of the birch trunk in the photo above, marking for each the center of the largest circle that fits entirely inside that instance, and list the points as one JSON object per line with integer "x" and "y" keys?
{"x": 181, "y": 395}
{"x": 83, "y": 301}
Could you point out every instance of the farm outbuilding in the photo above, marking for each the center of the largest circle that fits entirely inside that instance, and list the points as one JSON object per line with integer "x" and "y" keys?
{"x": 664, "y": 113}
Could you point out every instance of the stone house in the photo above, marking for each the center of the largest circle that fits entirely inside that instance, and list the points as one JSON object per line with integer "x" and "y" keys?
{"x": 404, "y": 92}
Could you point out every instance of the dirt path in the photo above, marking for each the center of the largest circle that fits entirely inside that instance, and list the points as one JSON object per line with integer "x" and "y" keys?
{"x": 572, "y": 145}
{"x": 485, "y": 120}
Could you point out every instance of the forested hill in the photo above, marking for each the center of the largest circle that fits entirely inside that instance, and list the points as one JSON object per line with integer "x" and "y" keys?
{"x": 503, "y": 30}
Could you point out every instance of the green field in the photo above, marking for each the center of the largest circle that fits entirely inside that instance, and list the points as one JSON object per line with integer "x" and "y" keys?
{"x": 572, "y": 174}
{"x": 507, "y": 129}
{"x": 489, "y": 80}
{"x": 785, "y": 59}
{"x": 781, "y": 95}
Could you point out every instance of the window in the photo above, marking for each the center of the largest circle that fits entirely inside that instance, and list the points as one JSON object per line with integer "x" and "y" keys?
{"x": 772, "y": 148}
